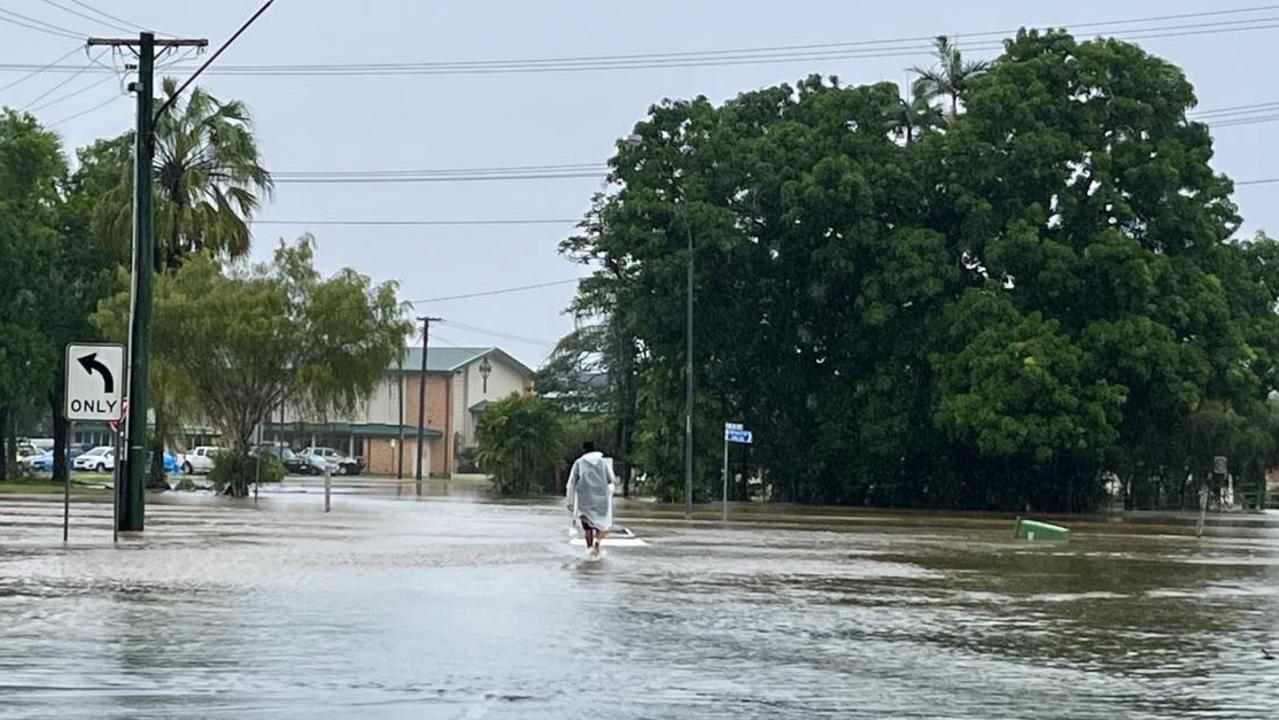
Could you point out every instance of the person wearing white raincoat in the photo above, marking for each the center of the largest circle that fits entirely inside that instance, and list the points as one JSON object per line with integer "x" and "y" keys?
{"x": 590, "y": 495}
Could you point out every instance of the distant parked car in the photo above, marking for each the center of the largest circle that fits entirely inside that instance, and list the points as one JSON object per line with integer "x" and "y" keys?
{"x": 295, "y": 463}
{"x": 28, "y": 454}
{"x": 99, "y": 459}
{"x": 200, "y": 460}
{"x": 346, "y": 465}
{"x": 43, "y": 464}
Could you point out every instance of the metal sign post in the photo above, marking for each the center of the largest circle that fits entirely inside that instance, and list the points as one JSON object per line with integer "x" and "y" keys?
{"x": 733, "y": 433}
{"x": 115, "y": 483}
{"x": 94, "y": 385}
{"x": 66, "y": 488}
{"x": 117, "y": 472}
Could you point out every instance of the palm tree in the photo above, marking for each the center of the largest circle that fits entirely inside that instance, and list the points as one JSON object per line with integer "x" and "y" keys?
{"x": 208, "y": 176}
{"x": 209, "y": 182}
{"x": 950, "y": 75}
{"x": 915, "y": 116}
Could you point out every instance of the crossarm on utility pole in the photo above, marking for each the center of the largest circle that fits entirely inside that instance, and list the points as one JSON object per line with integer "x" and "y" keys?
{"x": 157, "y": 42}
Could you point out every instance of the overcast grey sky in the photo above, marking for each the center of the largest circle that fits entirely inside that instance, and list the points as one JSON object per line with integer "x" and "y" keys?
{"x": 463, "y": 121}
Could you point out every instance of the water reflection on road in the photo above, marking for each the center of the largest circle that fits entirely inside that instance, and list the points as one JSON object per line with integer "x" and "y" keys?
{"x": 459, "y": 608}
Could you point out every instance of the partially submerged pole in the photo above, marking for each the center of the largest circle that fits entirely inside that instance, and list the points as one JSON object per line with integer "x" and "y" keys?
{"x": 328, "y": 488}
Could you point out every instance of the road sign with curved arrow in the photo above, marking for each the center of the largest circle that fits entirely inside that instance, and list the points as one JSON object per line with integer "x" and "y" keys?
{"x": 95, "y": 382}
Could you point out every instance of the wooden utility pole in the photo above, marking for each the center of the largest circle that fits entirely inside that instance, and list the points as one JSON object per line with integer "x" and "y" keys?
{"x": 130, "y": 499}
{"x": 399, "y": 449}
{"x": 421, "y": 397}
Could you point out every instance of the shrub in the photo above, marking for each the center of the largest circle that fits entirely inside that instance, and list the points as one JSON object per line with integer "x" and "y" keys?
{"x": 233, "y": 473}
{"x": 519, "y": 440}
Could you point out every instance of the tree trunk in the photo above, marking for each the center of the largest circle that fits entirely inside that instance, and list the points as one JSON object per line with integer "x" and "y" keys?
{"x": 5, "y": 440}
{"x": 156, "y": 478}
{"x": 60, "y": 469}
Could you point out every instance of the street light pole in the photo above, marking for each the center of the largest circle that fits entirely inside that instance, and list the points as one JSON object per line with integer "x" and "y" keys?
{"x": 688, "y": 384}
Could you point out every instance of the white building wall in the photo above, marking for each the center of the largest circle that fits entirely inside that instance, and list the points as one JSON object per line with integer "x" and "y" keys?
{"x": 503, "y": 380}
{"x": 459, "y": 403}
{"x": 381, "y": 407}
{"x": 468, "y": 389}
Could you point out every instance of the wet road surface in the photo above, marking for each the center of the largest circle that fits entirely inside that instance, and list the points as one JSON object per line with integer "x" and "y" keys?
{"x": 447, "y": 607}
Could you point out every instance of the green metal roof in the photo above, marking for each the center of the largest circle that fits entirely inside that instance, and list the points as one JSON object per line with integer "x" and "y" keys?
{"x": 452, "y": 359}
{"x": 378, "y": 430}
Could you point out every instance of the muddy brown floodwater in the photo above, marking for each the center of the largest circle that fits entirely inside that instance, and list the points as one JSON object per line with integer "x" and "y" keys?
{"x": 454, "y": 607}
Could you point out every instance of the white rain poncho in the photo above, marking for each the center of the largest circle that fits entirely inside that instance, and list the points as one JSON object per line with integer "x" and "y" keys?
{"x": 590, "y": 490}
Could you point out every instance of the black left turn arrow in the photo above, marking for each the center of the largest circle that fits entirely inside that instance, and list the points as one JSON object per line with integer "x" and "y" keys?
{"x": 90, "y": 363}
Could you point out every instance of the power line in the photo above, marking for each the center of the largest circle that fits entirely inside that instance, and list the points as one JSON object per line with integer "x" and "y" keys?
{"x": 1262, "y": 181}
{"x": 125, "y": 27}
{"x": 133, "y": 27}
{"x": 749, "y": 56}
{"x": 420, "y": 223}
{"x": 95, "y": 108}
{"x": 788, "y": 53}
{"x": 39, "y": 70}
{"x": 51, "y": 27}
{"x": 1240, "y": 109}
{"x": 442, "y": 171}
{"x": 73, "y": 93}
{"x": 48, "y": 92}
{"x": 374, "y": 179}
{"x": 38, "y": 25}
{"x": 502, "y": 291}
{"x": 443, "y": 339}
{"x": 218, "y": 53}
{"x": 1246, "y": 121}
{"x": 496, "y": 333}
{"x": 711, "y": 57}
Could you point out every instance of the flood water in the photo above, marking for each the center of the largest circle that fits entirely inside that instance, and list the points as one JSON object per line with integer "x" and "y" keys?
{"x": 455, "y": 607}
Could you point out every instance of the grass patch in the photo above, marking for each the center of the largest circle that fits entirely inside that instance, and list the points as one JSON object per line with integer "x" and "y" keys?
{"x": 46, "y": 487}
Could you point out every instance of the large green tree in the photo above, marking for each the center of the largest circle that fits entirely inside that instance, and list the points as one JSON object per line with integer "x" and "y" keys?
{"x": 54, "y": 272}
{"x": 990, "y": 316}
{"x": 31, "y": 168}
{"x": 249, "y": 338}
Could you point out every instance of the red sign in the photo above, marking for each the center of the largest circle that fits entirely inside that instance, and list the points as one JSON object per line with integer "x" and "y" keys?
{"x": 115, "y": 425}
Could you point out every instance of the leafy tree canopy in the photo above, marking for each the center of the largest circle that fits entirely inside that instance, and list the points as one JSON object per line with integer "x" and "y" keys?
{"x": 247, "y": 338}
{"x": 992, "y": 313}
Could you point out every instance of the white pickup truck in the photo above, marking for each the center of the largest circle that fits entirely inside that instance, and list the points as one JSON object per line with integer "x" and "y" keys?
{"x": 200, "y": 460}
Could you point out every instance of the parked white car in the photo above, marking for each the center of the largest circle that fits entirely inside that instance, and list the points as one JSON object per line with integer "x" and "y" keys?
{"x": 28, "y": 454}
{"x": 339, "y": 462}
{"x": 200, "y": 460}
{"x": 99, "y": 459}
